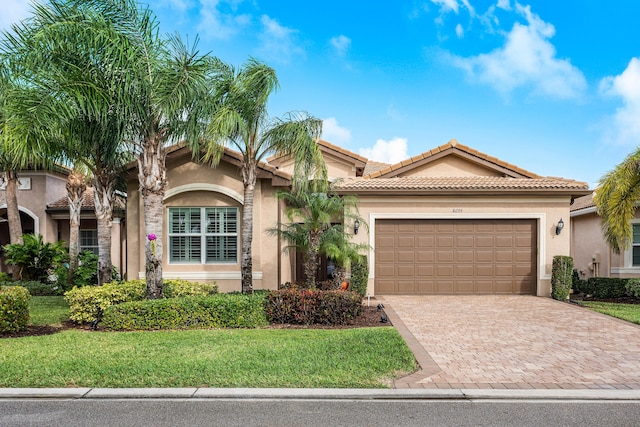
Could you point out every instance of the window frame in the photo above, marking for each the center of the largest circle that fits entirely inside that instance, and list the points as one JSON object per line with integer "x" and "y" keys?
{"x": 203, "y": 235}
{"x": 92, "y": 248}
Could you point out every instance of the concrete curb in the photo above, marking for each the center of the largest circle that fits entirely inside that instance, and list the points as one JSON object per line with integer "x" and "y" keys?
{"x": 316, "y": 394}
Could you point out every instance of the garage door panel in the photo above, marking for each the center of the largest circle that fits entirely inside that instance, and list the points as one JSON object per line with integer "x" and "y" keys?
{"x": 464, "y": 256}
{"x": 471, "y": 256}
{"x": 464, "y": 287}
{"x": 405, "y": 256}
{"x": 385, "y": 256}
{"x": 445, "y": 256}
{"x": 426, "y": 255}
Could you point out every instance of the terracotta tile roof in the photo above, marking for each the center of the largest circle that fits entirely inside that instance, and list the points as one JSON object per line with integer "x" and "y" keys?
{"x": 452, "y": 145}
{"x": 88, "y": 202}
{"x": 342, "y": 150}
{"x": 481, "y": 183}
{"x": 584, "y": 202}
{"x": 372, "y": 167}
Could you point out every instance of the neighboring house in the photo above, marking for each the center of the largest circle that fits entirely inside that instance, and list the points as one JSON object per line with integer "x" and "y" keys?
{"x": 451, "y": 220}
{"x": 59, "y": 212}
{"x": 44, "y": 209}
{"x": 592, "y": 255}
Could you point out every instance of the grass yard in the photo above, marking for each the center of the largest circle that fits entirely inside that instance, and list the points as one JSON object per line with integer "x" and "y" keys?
{"x": 340, "y": 358}
{"x": 628, "y": 312}
{"x": 48, "y": 310}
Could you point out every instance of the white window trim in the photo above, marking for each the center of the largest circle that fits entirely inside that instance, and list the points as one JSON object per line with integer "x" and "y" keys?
{"x": 203, "y": 236}
{"x": 628, "y": 256}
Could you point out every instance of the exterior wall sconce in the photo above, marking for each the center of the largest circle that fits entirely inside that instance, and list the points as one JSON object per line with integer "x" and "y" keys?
{"x": 356, "y": 226}
{"x": 559, "y": 227}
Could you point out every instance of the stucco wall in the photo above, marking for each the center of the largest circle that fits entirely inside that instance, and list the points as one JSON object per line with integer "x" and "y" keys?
{"x": 195, "y": 185}
{"x": 546, "y": 210}
{"x": 451, "y": 166}
{"x": 590, "y": 252}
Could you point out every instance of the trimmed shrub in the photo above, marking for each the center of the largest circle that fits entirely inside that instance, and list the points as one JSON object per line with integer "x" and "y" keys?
{"x": 577, "y": 284}
{"x": 633, "y": 288}
{"x": 174, "y": 288}
{"x": 214, "y": 311}
{"x": 14, "y": 308}
{"x": 561, "y": 277}
{"x": 359, "y": 276}
{"x": 37, "y": 288}
{"x": 308, "y": 307}
{"x": 87, "y": 303}
{"x": 606, "y": 287}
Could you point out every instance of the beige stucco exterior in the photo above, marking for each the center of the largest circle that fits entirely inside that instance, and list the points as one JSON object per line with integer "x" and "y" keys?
{"x": 547, "y": 211}
{"x": 476, "y": 186}
{"x": 591, "y": 254}
{"x": 196, "y": 185}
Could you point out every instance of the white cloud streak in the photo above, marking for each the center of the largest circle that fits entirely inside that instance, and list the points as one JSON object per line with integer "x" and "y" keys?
{"x": 340, "y": 44}
{"x": 334, "y": 133}
{"x": 623, "y": 128}
{"x": 392, "y": 151}
{"x": 527, "y": 59}
{"x": 218, "y": 18}
{"x": 277, "y": 41}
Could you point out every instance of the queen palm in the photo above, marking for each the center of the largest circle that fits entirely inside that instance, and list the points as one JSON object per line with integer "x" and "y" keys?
{"x": 107, "y": 66}
{"x": 616, "y": 199}
{"x": 241, "y": 121}
{"x": 316, "y": 226}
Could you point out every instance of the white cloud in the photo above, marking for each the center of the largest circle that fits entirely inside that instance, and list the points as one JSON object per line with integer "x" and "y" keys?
{"x": 334, "y": 133}
{"x": 13, "y": 11}
{"x": 624, "y": 126}
{"x": 459, "y": 31}
{"x": 392, "y": 151}
{"x": 340, "y": 44}
{"x": 219, "y": 19}
{"x": 504, "y": 4}
{"x": 527, "y": 59}
{"x": 277, "y": 41}
{"x": 447, "y": 6}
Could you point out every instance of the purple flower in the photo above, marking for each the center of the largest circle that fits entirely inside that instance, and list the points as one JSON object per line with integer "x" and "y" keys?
{"x": 152, "y": 237}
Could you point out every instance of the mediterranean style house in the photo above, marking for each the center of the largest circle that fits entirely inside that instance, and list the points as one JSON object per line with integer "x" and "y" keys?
{"x": 451, "y": 220}
{"x": 44, "y": 209}
{"x": 592, "y": 256}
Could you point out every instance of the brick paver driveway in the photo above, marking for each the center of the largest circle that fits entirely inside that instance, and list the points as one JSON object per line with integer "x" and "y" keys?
{"x": 514, "y": 342}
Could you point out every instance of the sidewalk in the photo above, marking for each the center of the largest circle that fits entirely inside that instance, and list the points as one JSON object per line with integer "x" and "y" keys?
{"x": 316, "y": 394}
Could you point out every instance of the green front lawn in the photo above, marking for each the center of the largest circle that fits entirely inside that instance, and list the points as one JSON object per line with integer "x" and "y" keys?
{"x": 48, "y": 310}
{"x": 628, "y": 312}
{"x": 344, "y": 358}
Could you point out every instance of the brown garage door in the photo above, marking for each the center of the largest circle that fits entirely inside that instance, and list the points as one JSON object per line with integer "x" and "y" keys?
{"x": 417, "y": 256}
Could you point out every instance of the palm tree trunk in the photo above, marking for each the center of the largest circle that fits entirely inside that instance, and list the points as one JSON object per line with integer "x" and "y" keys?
{"x": 152, "y": 174}
{"x": 13, "y": 212}
{"x": 311, "y": 260}
{"x": 103, "y": 197}
{"x": 247, "y": 232}
{"x": 75, "y": 189}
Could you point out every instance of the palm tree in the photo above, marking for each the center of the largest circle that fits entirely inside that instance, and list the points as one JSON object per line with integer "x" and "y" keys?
{"x": 337, "y": 247}
{"x": 241, "y": 121}
{"x": 316, "y": 227}
{"x": 76, "y": 186}
{"x": 616, "y": 198}
{"x": 65, "y": 100}
{"x": 107, "y": 67}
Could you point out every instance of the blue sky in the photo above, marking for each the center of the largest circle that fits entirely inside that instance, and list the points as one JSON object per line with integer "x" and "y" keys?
{"x": 550, "y": 86}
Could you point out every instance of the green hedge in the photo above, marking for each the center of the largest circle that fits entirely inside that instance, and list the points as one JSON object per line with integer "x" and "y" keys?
{"x": 308, "y": 307}
{"x": 359, "y": 276}
{"x": 14, "y": 308}
{"x": 36, "y": 288}
{"x": 87, "y": 303}
{"x": 605, "y": 287}
{"x": 561, "y": 277}
{"x": 216, "y": 311}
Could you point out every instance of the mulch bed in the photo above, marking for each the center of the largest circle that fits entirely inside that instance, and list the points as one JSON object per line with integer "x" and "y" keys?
{"x": 371, "y": 317}
{"x": 620, "y": 300}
